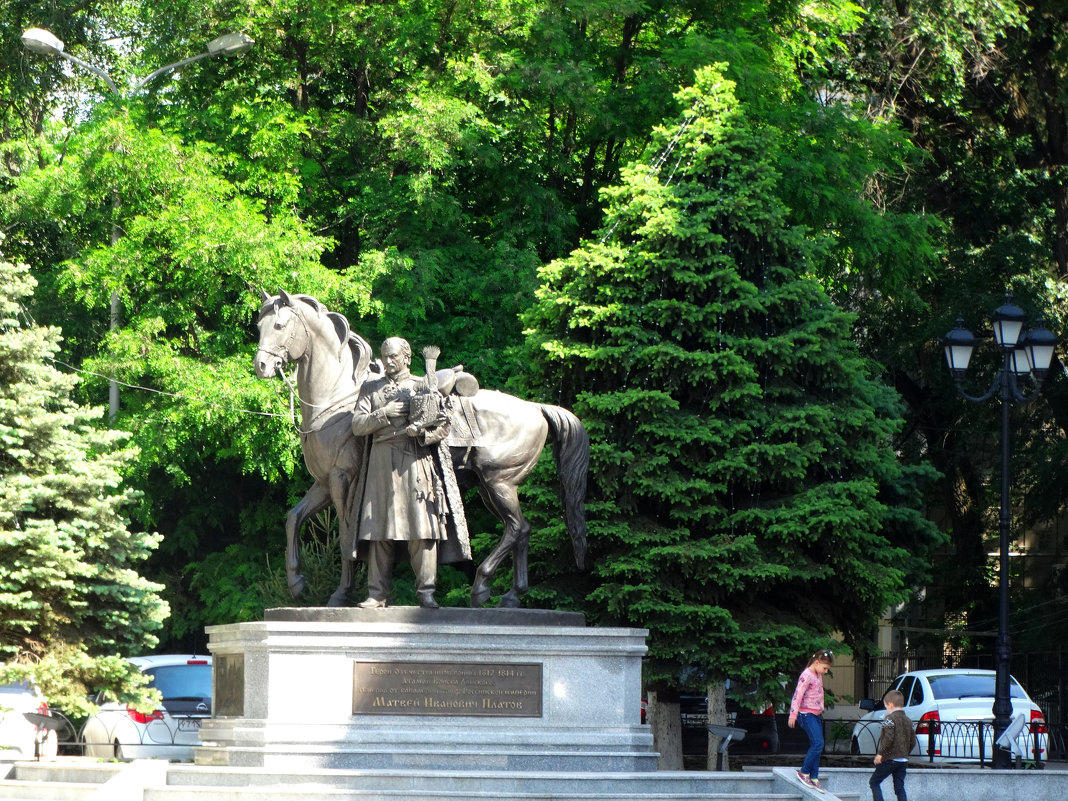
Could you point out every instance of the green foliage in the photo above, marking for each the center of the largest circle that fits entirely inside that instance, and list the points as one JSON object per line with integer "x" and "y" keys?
{"x": 413, "y": 163}
{"x": 973, "y": 84}
{"x": 320, "y": 558}
{"x": 747, "y": 501}
{"x": 71, "y": 597}
{"x": 139, "y": 213}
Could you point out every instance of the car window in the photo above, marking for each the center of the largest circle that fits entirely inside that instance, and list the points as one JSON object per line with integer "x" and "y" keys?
{"x": 101, "y": 697}
{"x": 181, "y": 681}
{"x": 906, "y": 688}
{"x": 16, "y": 688}
{"x": 970, "y": 685}
{"x": 916, "y": 697}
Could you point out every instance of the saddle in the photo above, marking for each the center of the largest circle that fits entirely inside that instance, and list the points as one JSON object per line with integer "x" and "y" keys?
{"x": 444, "y": 412}
{"x": 454, "y": 381}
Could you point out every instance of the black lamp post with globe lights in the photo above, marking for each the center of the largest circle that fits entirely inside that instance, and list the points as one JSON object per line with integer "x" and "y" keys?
{"x": 1029, "y": 355}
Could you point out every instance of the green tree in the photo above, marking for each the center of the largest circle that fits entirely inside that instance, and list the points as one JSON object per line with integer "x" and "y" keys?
{"x": 219, "y": 457}
{"x": 71, "y": 597}
{"x": 448, "y": 147}
{"x": 978, "y": 88}
{"x": 748, "y": 501}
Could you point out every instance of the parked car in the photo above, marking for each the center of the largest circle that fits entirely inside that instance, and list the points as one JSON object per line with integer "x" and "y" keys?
{"x": 757, "y": 720}
{"x": 119, "y": 731}
{"x": 21, "y": 737}
{"x": 760, "y": 725}
{"x": 949, "y": 708}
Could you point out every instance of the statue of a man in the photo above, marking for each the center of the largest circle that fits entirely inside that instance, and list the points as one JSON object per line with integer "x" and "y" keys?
{"x": 402, "y": 493}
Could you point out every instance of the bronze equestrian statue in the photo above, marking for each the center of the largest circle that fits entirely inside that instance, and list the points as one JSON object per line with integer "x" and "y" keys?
{"x": 494, "y": 444}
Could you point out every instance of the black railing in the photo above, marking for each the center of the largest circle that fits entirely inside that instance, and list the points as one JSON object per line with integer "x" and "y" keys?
{"x": 959, "y": 740}
{"x": 58, "y": 735}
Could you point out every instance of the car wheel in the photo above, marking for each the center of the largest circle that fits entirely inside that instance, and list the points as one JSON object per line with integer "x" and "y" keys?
{"x": 854, "y": 746}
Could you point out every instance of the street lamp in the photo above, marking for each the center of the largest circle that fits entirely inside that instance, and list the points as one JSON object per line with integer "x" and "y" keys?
{"x": 1029, "y": 354}
{"x": 46, "y": 43}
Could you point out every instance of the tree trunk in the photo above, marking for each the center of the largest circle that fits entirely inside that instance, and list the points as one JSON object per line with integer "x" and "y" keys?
{"x": 717, "y": 716}
{"x": 665, "y": 721}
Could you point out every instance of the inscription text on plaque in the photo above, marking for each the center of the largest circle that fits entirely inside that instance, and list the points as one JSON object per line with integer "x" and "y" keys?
{"x": 497, "y": 689}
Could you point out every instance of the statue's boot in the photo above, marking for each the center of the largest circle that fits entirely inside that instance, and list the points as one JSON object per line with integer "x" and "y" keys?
{"x": 372, "y": 603}
{"x": 426, "y": 599}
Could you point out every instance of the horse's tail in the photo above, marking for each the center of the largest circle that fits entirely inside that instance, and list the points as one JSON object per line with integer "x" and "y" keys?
{"x": 571, "y": 448}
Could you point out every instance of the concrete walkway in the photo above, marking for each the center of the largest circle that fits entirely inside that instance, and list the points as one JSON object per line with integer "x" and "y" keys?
{"x": 80, "y": 779}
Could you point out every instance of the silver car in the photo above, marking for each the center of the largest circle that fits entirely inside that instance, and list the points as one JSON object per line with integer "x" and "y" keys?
{"x": 952, "y": 710}
{"x": 119, "y": 731}
{"x": 20, "y": 736}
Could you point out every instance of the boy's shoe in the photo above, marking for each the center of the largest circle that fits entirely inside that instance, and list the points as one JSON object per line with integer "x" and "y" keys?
{"x": 805, "y": 780}
{"x": 815, "y": 785}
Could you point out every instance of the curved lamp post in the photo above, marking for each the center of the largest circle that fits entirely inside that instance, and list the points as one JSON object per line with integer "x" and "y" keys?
{"x": 46, "y": 43}
{"x": 1021, "y": 356}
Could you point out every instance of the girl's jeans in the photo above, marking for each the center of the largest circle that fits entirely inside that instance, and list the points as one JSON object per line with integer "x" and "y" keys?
{"x": 812, "y": 725}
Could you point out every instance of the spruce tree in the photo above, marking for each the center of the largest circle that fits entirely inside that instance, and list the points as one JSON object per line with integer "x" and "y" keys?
{"x": 72, "y": 602}
{"x": 746, "y": 501}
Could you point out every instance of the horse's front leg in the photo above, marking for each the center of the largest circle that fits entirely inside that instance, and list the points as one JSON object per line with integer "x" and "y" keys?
{"x": 340, "y": 481}
{"x": 340, "y": 596}
{"x": 313, "y": 501}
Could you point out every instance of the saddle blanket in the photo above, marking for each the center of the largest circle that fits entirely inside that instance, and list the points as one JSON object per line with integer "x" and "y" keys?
{"x": 464, "y": 430}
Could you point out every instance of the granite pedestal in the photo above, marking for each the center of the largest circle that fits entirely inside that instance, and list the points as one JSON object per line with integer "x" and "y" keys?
{"x": 410, "y": 688}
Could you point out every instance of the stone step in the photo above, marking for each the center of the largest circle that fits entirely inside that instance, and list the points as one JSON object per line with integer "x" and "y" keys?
{"x": 16, "y": 790}
{"x": 389, "y": 784}
{"x": 67, "y": 769}
{"x": 150, "y": 780}
{"x": 303, "y": 792}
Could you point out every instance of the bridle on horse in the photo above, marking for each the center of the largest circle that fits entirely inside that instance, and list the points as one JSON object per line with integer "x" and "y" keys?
{"x": 285, "y": 356}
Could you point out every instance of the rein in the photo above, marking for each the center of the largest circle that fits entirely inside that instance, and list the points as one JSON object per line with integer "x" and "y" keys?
{"x": 285, "y": 356}
{"x": 294, "y": 396}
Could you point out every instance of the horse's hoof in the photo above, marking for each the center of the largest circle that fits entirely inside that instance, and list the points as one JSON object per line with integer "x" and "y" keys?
{"x": 338, "y": 599}
{"x": 297, "y": 585}
{"x": 508, "y": 601}
{"x": 479, "y": 596}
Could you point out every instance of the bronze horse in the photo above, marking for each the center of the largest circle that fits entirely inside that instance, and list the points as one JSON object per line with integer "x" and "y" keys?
{"x": 332, "y": 363}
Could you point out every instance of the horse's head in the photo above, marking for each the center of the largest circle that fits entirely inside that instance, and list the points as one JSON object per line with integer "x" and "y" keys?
{"x": 284, "y": 335}
{"x": 293, "y": 325}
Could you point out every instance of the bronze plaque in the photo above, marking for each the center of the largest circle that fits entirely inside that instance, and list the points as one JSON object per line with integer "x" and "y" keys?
{"x": 481, "y": 689}
{"x": 229, "y": 670}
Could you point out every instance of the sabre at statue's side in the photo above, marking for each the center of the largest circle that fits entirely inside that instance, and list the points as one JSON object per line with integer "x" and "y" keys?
{"x": 494, "y": 442}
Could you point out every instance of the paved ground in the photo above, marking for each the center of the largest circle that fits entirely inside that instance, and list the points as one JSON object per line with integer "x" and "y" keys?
{"x": 832, "y": 761}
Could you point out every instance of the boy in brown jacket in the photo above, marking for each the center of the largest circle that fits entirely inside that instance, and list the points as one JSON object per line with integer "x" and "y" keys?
{"x": 897, "y": 738}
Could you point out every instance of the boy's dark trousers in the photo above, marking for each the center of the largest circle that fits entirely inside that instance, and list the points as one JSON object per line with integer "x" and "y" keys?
{"x": 888, "y": 768}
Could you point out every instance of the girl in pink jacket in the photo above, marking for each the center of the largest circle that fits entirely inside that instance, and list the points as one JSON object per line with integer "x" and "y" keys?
{"x": 807, "y": 708}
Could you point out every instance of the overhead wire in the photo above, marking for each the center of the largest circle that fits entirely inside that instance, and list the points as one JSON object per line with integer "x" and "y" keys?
{"x": 177, "y": 395}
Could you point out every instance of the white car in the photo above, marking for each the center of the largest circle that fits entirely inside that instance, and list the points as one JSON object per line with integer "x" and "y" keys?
{"x": 21, "y": 737}
{"x": 118, "y": 731}
{"x": 950, "y": 708}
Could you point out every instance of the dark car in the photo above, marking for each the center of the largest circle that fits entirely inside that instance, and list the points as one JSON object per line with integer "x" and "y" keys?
{"x": 760, "y": 726}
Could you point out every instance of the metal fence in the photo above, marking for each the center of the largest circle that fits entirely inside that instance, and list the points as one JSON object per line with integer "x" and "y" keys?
{"x": 960, "y": 741}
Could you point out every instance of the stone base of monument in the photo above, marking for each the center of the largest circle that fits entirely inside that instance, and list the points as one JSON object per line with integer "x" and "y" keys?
{"x": 415, "y": 689}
